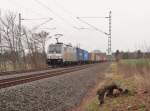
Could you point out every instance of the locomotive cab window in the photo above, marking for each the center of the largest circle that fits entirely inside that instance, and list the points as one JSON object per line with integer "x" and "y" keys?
{"x": 55, "y": 48}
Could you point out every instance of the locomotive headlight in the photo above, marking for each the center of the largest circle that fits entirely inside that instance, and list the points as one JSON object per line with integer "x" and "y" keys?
{"x": 49, "y": 57}
{"x": 59, "y": 57}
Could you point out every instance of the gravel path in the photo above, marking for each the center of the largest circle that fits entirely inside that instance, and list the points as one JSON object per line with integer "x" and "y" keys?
{"x": 52, "y": 94}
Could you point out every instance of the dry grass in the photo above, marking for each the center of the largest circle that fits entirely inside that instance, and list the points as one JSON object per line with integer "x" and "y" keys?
{"x": 130, "y": 67}
{"x": 133, "y": 75}
{"x": 8, "y": 66}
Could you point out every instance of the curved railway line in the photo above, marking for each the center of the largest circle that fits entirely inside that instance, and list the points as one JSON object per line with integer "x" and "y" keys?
{"x": 12, "y": 81}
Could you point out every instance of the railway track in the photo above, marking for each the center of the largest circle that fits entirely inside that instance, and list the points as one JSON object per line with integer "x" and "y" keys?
{"x": 33, "y": 77}
{"x": 30, "y": 71}
{"x": 22, "y": 71}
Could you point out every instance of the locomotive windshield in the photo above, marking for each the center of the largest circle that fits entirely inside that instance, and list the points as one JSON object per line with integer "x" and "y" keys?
{"x": 55, "y": 48}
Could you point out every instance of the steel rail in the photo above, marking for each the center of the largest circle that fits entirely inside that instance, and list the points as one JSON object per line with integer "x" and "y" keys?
{"x": 33, "y": 77}
{"x": 30, "y": 70}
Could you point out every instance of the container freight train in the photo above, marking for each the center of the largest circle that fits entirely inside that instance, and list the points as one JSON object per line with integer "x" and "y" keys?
{"x": 62, "y": 54}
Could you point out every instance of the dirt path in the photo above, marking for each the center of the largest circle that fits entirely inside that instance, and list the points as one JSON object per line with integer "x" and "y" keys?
{"x": 91, "y": 93}
{"x": 89, "y": 96}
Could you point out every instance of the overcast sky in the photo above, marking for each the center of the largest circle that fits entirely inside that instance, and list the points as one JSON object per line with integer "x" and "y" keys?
{"x": 130, "y": 20}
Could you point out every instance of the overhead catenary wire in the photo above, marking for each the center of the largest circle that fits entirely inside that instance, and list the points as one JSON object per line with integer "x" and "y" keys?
{"x": 70, "y": 15}
{"x": 94, "y": 17}
{"x": 52, "y": 12}
{"x": 36, "y": 27}
{"x": 97, "y": 29}
{"x": 70, "y": 24}
{"x": 108, "y": 34}
{"x": 36, "y": 18}
{"x": 22, "y": 19}
{"x": 14, "y": 2}
{"x": 53, "y": 28}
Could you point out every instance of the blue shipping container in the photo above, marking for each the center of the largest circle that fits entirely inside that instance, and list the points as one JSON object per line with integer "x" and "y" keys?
{"x": 80, "y": 54}
{"x": 86, "y": 55}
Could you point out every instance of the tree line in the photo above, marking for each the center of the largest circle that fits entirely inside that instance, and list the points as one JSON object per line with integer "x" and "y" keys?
{"x": 20, "y": 51}
{"x": 131, "y": 55}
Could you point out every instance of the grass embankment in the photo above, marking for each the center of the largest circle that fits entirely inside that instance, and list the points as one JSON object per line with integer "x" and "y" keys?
{"x": 133, "y": 75}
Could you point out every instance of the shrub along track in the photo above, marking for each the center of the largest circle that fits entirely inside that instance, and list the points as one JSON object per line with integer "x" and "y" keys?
{"x": 22, "y": 71}
{"x": 33, "y": 77}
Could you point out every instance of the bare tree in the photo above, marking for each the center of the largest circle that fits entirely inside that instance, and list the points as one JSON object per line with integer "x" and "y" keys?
{"x": 23, "y": 52}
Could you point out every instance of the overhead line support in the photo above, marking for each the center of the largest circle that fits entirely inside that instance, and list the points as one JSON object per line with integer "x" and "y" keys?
{"x": 109, "y": 34}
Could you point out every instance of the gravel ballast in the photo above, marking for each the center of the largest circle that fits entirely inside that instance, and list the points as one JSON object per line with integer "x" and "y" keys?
{"x": 59, "y": 93}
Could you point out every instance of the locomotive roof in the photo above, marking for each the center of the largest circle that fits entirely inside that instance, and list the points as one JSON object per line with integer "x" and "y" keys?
{"x": 62, "y": 44}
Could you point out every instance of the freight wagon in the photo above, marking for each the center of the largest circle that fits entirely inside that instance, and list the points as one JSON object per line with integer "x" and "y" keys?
{"x": 82, "y": 56}
{"x": 92, "y": 57}
{"x": 102, "y": 57}
{"x": 97, "y": 57}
